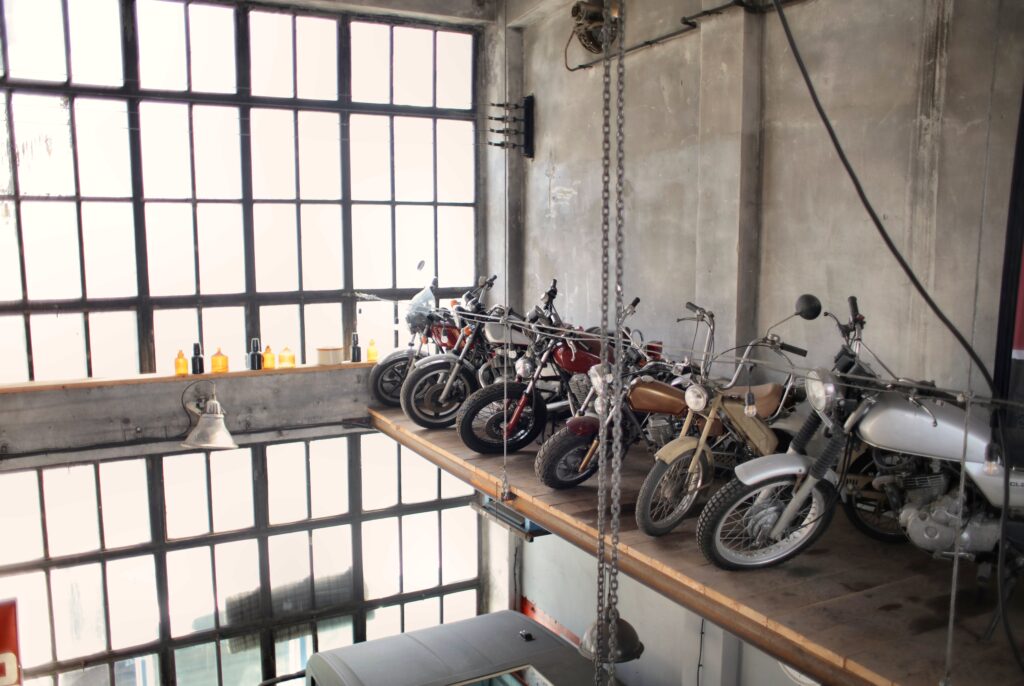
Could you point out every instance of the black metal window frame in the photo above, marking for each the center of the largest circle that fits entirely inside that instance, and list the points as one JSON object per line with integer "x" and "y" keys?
{"x": 144, "y": 304}
{"x": 268, "y": 623}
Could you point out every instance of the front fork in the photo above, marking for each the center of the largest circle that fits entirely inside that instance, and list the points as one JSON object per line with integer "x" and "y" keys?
{"x": 819, "y": 468}
{"x": 517, "y": 414}
{"x": 455, "y": 367}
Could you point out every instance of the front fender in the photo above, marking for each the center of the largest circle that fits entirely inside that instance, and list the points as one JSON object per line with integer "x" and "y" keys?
{"x": 449, "y": 359}
{"x": 583, "y": 426}
{"x": 674, "y": 449}
{"x": 772, "y": 466}
{"x": 403, "y": 354}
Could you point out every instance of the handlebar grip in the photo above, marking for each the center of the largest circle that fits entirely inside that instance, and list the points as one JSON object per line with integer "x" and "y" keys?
{"x": 854, "y": 311}
{"x": 793, "y": 349}
{"x": 691, "y": 307}
{"x": 554, "y": 283}
{"x": 490, "y": 281}
{"x": 636, "y": 301}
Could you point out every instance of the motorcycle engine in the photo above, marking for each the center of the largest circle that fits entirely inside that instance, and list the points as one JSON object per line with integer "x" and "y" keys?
{"x": 579, "y": 386}
{"x": 933, "y": 526}
{"x": 661, "y": 430}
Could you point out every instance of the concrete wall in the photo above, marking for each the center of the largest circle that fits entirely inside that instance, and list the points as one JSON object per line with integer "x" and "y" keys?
{"x": 734, "y": 197}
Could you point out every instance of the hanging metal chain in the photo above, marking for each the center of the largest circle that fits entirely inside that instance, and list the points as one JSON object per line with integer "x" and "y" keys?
{"x": 506, "y": 488}
{"x": 601, "y": 642}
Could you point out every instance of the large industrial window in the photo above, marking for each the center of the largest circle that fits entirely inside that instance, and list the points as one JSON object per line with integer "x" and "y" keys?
{"x": 230, "y": 567}
{"x": 175, "y": 172}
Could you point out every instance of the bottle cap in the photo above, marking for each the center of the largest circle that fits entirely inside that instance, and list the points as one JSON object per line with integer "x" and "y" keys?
{"x": 196, "y": 349}
{"x": 254, "y": 345}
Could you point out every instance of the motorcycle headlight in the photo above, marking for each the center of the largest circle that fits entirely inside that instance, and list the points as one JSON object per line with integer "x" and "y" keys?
{"x": 525, "y": 367}
{"x": 821, "y": 390}
{"x": 696, "y": 397}
{"x": 599, "y": 378}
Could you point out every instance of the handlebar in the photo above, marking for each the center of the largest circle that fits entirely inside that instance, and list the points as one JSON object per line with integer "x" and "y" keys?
{"x": 636, "y": 301}
{"x": 490, "y": 282}
{"x": 693, "y": 308}
{"x": 854, "y": 311}
{"x": 793, "y": 349}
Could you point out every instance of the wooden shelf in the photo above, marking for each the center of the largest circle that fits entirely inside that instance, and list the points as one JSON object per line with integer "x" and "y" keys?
{"x": 850, "y": 610}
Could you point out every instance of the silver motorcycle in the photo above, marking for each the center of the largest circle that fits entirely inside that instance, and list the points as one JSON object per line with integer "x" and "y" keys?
{"x": 912, "y": 440}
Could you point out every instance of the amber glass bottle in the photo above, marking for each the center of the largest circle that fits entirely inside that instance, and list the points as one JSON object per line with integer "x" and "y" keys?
{"x": 219, "y": 362}
{"x": 286, "y": 359}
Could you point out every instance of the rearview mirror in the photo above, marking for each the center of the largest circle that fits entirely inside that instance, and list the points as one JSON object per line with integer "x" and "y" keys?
{"x": 808, "y": 306}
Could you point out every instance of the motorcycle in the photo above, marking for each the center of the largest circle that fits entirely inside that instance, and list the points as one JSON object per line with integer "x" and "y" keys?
{"x": 778, "y": 505}
{"x": 518, "y": 411}
{"x": 730, "y": 428}
{"x": 436, "y": 386}
{"x": 428, "y": 325}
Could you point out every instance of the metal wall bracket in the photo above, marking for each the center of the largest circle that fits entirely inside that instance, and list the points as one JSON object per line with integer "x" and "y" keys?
{"x": 518, "y": 130}
{"x": 507, "y": 518}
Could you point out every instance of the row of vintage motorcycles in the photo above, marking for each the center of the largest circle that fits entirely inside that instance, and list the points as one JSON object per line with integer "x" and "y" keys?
{"x": 887, "y": 450}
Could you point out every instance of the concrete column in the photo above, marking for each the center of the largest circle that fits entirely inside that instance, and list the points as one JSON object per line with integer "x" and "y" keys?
{"x": 729, "y": 160}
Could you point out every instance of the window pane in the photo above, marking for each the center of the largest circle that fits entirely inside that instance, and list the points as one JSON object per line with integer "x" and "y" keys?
{"x": 185, "y": 495}
{"x": 456, "y": 246}
{"x": 212, "y": 42}
{"x": 58, "y": 347}
{"x": 453, "y": 487}
{"x": 161, "y": 40}
{"x": 132, "y": 599}
{"x": 414, "y": 243}
{"x": 42, "y": 130}
{"x": 221, "y": 248}
{"x": 292, "y": 647}
{"x": 170, "y": 249}
{"x": 370, "y": 146}
{"x": 459, "y": 538}
{"x": 383, "y": 622}
{"x": 196, "y": 665}
{"x": 371, "y": 246}
{"x": 419, "y": 551}
{"x": 422, "y": 614}
{"x": 419, "y": 478}
{"x": 35, "y": 39}
{"x": 371, "y": 62}
{"x": 317, "y": 54}
{"x": 108, "y": 230}
{"x": 231, "y": 486}
{"x": 114, "y": 344}
{"x": 289, "y": 572}
{"x": 190, "y": 591}
{"x": 286, "y": 482}
{"x": 461, "y": 605}
{"x": 224, "y": 330}
{"x": 95, "y": 42}
{"x": 20, "y": 519}
{"x": 101, "y": 134}
{"x": 240, "y": 660}
{"x": 334, "y": 633}
{"x": 174, "y": 330}
{"x": 273, "y": 154}
{"x": 139, "y": 671}
{"x": 376, "y": 322}
{"x": 328, "y": 478}
{"x": 321, "y": 247}
{"x": 12, "y": 350}
{"x": 238, "y": 582}
{"x": 455, "y": 151}
{"x": 166, "y": 169}
{"x": 380, "y": 558}
{"x": 78, "y": 611}
{"x": 414, "y": 158}
{"x": 414, "y": 66}
{"x": 10, "y": 264}
{"x": 454, "y": 70}
{"x": 29, "y": 590}
{"x": 277, "y": 267}
{"x": 49, "y": 232}
{"x": 380, "y": 471}
{"x": 332, "y": 566}
{"x": 279, "y": 328}
{"x": 319, "y": 156}
{"x": 6, "y": 179}
{"x": 91, "y": 676}
{"x": 323, "y": 329}
{"x": 123, "y": 488}
{"x": 271, "y": 51}
{"x": 217, "y": 157}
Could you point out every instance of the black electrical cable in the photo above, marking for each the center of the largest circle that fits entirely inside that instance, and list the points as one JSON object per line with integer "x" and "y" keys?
{"x": 282, "y": 679}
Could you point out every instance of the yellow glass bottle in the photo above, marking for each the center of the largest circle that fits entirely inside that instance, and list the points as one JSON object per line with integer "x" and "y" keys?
{"x": 269, "y": 359}
{"x": 371, "y": 351}
{"x": 181, "y": 364}
{"x": 286, "y": 360}
{"x": 219, "y": 362}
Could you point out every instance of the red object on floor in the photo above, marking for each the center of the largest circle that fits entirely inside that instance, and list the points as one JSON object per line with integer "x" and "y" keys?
{"x": 10, "y": 672}
{"x": 527, "y": 607}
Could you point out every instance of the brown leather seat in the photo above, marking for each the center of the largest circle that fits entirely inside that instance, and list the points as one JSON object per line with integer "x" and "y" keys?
{"x": 767, "y": 397}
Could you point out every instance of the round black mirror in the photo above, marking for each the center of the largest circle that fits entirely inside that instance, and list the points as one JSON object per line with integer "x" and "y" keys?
{"x": 808, "y": 306}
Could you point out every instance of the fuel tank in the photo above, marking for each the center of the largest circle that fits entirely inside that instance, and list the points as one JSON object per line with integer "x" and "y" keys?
{"x": 496, "y": 333}
{"x": 894, "y": 423}
{"x": 648, "y": 395}
{"x": 574, "y": 362}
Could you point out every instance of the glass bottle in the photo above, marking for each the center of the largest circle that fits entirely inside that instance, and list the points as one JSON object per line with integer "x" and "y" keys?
{"x": 371, "y": 351}
{"x": 181, "y": 364}
{"x": 219, "y": 362}
{"x": 198, "y": 365}
{"x": 269, "y": 359}
{"x": 286, "y": 360}
{"x": 255, "y": 356}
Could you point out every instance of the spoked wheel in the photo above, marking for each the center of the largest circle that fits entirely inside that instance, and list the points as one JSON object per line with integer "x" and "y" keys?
{"x": 669, "y": 493}
{"x": 560, "y": 458}
{"x": 733, "y": 530}
{"x": 482, "y": 419}
{"x": 387, "y": 377}
{"x": 869, "y": 509}
{"x": 422, "y": 391}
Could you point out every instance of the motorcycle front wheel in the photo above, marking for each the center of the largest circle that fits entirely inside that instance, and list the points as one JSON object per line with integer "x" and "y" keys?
{"x": 868, "y": 509}
{"x": 481, "y": 421}
{"x": 559, "y": 459}
{"x": 733, "y": 530}
{"x": 669, "y": 493}
{"x": 422, "y": 389}
{"x": 387, "y": 377}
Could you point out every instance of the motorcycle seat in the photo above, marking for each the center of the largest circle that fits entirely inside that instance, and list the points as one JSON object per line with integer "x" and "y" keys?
{"x": 767, "y": 398}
